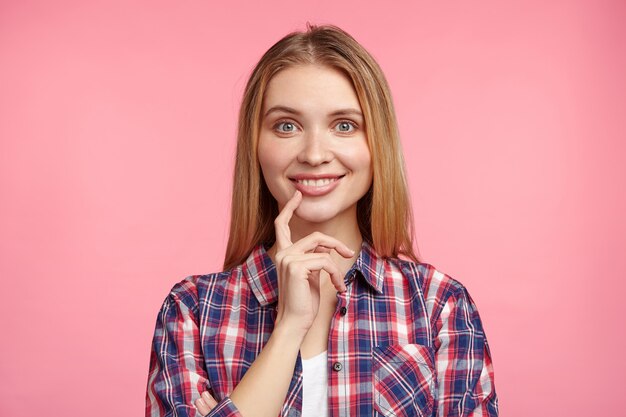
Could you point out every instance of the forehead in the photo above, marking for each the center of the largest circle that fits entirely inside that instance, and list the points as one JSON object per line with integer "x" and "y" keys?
{"x": 310, "y": 87}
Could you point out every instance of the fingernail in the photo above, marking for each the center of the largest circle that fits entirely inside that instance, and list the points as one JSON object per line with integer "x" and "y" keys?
{"x": 202, "y": 402}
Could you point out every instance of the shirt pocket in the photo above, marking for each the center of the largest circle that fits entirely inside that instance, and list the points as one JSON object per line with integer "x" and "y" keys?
{"x": 404, "y": 380}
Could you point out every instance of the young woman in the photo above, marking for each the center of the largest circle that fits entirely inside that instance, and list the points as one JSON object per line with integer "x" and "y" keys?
{"x": 323, "y": 308}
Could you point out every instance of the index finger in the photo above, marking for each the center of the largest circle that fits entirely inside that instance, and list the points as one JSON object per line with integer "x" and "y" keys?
{"x": 281, "y": 223}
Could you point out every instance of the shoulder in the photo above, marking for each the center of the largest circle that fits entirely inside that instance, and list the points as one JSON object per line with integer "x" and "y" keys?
{"x": 194, "y": 288}
{"x": 438, "y": 289}
{"x": 430, "y": 280}
{"x": 250, "y": 281}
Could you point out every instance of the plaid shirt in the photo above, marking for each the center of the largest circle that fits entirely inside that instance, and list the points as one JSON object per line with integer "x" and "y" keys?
{"x": 406, "y": 340}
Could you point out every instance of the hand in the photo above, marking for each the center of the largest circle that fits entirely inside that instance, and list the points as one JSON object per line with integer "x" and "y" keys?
{"x": 205, "y": 403}
{"x": 299, "y": 265}
{"x": 262, "y": 389}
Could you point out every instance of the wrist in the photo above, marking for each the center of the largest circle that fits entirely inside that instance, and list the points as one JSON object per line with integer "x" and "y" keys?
{"x": 291, "y": 334}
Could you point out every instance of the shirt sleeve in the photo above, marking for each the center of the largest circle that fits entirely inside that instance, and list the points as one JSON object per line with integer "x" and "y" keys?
{"x": 177, "y": 374}
{"x": 465, "y": 376}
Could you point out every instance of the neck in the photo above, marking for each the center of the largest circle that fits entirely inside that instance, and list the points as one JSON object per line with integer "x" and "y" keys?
{"x": 343, "y": 228}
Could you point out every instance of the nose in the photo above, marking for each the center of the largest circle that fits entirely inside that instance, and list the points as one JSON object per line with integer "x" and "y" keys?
{"x": 315, "y": 149}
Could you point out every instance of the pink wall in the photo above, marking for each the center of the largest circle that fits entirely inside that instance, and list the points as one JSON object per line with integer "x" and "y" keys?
{"x": 117, "y": 126}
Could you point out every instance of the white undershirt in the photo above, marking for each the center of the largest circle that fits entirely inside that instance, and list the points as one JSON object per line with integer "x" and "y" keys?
{"x": 315, "y": 386}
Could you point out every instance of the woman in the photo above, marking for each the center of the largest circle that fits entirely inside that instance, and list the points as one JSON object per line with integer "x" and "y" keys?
{"x": 323, "y": 307}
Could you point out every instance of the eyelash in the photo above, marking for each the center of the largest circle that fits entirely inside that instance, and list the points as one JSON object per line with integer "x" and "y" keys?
{"x": 339, "y": 122}
{"x": 283, "y": 122}
{"x": 351, "y": 123}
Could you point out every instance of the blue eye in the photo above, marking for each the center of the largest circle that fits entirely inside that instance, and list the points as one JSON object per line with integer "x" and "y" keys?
{"x": 345, "y": 127}
{"x": 286, "y": 127}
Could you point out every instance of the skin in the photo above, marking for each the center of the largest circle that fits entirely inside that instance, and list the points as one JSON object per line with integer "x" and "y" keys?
{"x": 312, "y": 127}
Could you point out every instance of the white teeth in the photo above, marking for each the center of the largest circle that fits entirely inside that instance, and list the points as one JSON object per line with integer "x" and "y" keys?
{"x": 316, "y": 183}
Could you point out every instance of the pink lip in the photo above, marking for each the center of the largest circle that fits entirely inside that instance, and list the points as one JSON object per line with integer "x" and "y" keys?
{"x": 313, "y": 190}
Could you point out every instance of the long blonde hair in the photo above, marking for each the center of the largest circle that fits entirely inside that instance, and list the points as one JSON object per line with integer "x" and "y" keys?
{"x": 384, "y": 214}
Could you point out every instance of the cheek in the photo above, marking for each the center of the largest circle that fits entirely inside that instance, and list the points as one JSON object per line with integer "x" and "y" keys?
{"x": 359, "y": 159}
{"x": 267, "y": 156}
{"x": 273, "y": 164}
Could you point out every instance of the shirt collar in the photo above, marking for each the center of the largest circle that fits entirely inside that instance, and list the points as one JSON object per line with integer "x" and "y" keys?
{"x": 260, "y": 272}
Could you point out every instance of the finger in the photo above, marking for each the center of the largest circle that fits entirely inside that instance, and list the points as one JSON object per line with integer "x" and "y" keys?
{"x": 316, "y": 239}
{"x": 205, "y": 403}
{"x": 315, "y": 280}
{"x": 322, "y": 249}
{"x": 208, "y": 398}
{"x": 202, "y": 407}
{"x": 281, "y": 223}
{"x": 305, "y": 264}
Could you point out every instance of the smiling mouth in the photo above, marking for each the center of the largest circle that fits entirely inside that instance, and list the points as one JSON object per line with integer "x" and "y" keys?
{"x": 313, "y": 186}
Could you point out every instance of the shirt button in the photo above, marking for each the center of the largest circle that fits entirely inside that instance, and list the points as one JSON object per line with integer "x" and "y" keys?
{"x": 337, "y": 366}
{"x": 343, "y": 311}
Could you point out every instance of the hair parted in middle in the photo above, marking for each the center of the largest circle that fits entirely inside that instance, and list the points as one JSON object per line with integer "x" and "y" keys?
{"x": 384, "y": 214}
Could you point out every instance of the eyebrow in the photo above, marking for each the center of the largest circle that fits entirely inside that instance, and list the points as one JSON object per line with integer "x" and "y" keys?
{"x": 340, "y": 112}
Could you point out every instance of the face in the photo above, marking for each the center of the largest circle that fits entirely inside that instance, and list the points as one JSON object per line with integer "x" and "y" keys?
{"x": 313, "y": 139}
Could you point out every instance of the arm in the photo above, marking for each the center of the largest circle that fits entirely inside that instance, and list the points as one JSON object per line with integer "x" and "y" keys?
{"x": 464, "y": 369}
{"x": 262, "y": 390}
{"x": 177, "y": 375}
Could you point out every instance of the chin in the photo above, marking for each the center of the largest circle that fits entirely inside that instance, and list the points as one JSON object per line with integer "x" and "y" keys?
{"x": 313, "y": 216}
{"x": 317, "y": 213}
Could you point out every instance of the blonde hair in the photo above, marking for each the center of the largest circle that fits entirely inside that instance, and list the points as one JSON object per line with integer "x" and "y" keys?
{"x": 384, "y": 213}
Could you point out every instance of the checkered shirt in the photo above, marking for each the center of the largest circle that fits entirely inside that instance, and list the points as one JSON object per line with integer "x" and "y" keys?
{"x": 406, "y": 340}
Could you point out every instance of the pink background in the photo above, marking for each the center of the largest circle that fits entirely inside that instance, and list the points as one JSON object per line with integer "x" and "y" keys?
{"x": 117, "y": 125}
